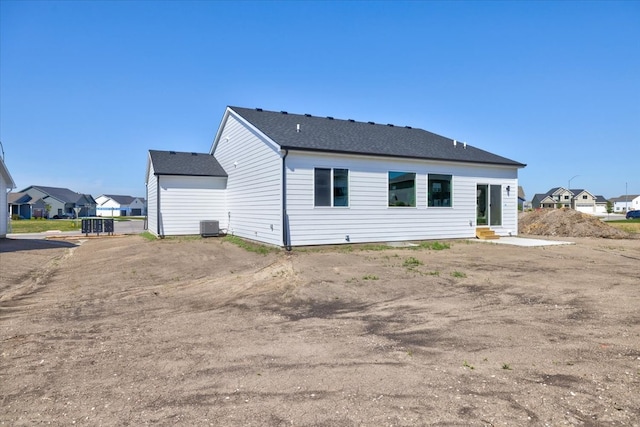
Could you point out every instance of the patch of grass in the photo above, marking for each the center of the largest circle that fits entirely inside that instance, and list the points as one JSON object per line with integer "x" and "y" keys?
{"x": 468, "y": 365}
{"x": 370, "y": 277}
{"x": 373, "y": 247}
{"x": 411, "y": 262}
{"x": 434, "y": 246}
{"x": 631, "y": 226}
{"x": 458, "y": 274}
{"x": 506, "y": 367}
{"x": 247, "y": 246}
{"x": 42, "y": 225}
{"x": 147, "y": 235}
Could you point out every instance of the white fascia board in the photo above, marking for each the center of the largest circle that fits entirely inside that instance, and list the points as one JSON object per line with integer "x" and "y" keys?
{"x": 3, "y": 169}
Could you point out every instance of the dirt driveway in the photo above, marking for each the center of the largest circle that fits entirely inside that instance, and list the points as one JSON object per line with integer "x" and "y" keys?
{"x": 125, "y": 331}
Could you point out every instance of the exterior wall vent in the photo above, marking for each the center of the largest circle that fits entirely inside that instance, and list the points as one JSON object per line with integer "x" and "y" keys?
{"x": 209, "y": 228}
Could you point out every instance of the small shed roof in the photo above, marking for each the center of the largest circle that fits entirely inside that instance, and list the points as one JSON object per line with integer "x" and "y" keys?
{"x": 184, "y": 163}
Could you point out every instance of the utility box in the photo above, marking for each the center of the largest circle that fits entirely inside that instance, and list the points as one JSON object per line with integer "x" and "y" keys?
{"x": 209, "y": 228}
{"x": 86, "y": 226}
{"x": 108, "y": 226}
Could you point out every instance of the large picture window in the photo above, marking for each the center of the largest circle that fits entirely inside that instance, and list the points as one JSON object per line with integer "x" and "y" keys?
{"x": 331, "y": 187}
{"x": 439, "y": 190}
{"x": 402, "y": 189}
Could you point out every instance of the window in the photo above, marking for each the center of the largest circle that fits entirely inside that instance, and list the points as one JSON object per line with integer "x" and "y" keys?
{"x": 439, "y": 190}
{"x": 566, "y": 197}
{"x": 585, "y": 197}
{"x": 331, "y": 187}
{"x": 402, "y": 189}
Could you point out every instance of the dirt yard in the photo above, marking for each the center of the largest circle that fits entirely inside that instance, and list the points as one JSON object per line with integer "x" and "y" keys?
{"x": 126, "y": 331}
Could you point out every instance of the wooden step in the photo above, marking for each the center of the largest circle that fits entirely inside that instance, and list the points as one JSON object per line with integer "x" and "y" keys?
{"x": 485, "y": 233}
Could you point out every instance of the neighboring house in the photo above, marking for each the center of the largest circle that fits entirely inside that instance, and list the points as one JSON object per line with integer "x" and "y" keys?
{"x": 577, "y": 199}
{"x": 629, "y": 202}
{"x": 522, "y": 200}
{"x": 292, "y": 180}
{"x": 601, "y": 205}
{"x": 62, "y": 201}
{"x": 557, "y": 197}
{"x": 6, "y": 184}
{"x": 116, "y": 205}
{"x": 24, "y": 206}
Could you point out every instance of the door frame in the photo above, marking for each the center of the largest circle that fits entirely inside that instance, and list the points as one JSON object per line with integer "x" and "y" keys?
{"x": 488, "y": 205}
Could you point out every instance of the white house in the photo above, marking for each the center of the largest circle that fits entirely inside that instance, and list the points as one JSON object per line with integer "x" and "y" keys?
{"x": 294, "y": 180}
{"x": 116, "y": 205}
{"x": 6, "y": 185}
{"x": 629, "y": 202}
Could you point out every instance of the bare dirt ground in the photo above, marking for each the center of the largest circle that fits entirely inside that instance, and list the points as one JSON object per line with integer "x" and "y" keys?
{"x": 126, "y": 331}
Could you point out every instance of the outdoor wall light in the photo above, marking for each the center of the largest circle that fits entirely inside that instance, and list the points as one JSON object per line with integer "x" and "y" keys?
{"x": 508, "y": 189}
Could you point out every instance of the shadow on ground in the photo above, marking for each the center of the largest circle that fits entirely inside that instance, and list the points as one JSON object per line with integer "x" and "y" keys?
{"x": 17, "y": 245}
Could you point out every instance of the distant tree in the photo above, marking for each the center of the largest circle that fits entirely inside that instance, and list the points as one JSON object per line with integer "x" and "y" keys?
{"x": 609, "y": 207}
{"x": 47, "y": 209}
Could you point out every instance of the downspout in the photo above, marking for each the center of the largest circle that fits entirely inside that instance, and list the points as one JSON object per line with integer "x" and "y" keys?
{"x": 158, "y": 205}
{"x": 286, "y": 239}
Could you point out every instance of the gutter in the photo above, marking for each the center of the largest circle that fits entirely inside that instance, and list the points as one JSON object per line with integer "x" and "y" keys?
{"x": 286, "y": 238}
{"x": 158, "y": 205}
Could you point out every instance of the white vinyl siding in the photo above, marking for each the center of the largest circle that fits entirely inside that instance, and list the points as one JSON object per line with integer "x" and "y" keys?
{"x": 254, "y": 167}
{"x": 369, "y": 218}
{"x": 187, "y": 200}
{"x": 152, "y": 201}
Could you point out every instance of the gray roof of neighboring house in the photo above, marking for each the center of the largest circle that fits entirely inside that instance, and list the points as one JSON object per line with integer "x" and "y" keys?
{"x": 628, "y": 197}
{"x": 63, "y": 194}
{"x": 183, "y": 163}
{"x": 600, "y": 199}
{"x": 123, "y": 200}
{"x": 18, "y": 198}
{"x": 327, "y": 134}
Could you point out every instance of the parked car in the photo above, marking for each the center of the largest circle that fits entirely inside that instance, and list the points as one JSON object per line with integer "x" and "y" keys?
{"x": 62, "y": 216}
{"x": 633, "y": 214}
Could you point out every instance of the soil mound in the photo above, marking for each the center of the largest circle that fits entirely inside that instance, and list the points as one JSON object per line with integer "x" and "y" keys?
{"x": 566, "y": 223}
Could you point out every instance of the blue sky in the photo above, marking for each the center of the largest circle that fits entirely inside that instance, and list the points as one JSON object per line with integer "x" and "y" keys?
{"x": 87, "y": 88}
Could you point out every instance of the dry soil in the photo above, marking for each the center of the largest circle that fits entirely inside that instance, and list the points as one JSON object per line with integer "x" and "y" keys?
{"x": 126, "y": 331}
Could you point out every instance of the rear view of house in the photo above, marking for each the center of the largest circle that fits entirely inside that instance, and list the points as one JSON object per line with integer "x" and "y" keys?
{"x": 297, "y": 179}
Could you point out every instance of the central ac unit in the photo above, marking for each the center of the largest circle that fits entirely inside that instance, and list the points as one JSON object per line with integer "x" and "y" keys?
{"x": 209, "y": 228}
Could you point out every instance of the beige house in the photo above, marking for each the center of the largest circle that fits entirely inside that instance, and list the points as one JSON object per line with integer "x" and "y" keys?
{"x": 577, "y": 199}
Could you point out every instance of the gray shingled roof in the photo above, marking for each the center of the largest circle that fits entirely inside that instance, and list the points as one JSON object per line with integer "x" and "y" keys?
{"x": 123, "y": 200}
{"x": 62, "y": 194}
{"x": 189, "y": 164}
{"x": 348, "y": 136}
